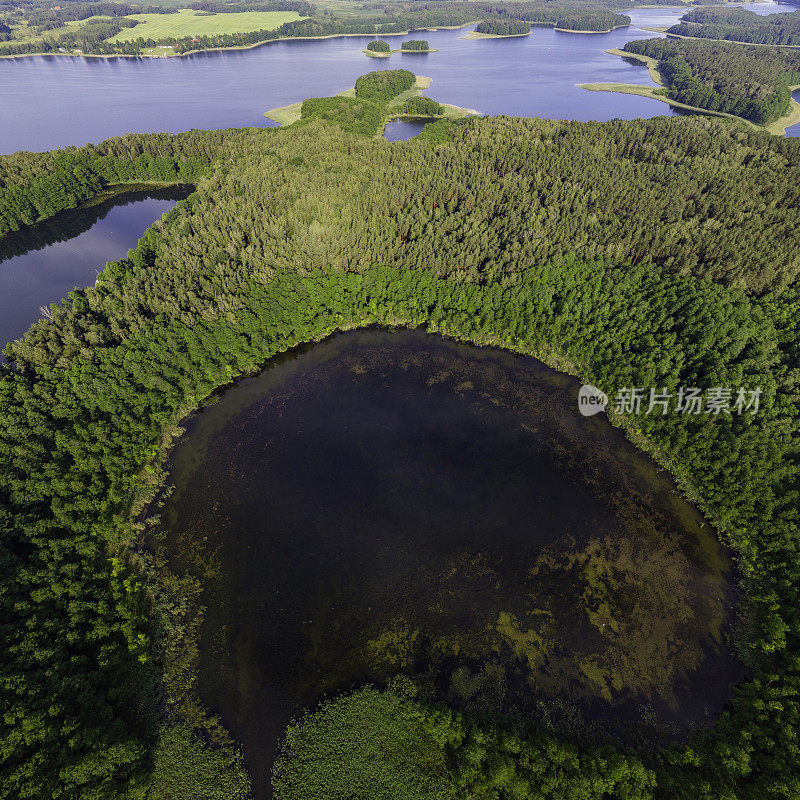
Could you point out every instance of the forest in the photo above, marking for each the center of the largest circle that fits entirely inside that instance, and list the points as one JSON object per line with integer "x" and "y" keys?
{"x": 657, "y": 252}
{"x": 379, "y": 46}
{"x": 749, "y": 82}
{"x": 35, "y": 186}
{"x": 388, "y": 18}
{"x": 512, "y": 27}
{"x": 422, "y": 107}
{"x": 368, "y": 111}
{"x": 740, "y": 25}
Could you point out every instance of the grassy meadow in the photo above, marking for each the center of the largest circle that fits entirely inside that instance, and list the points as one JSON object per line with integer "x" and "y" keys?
{"x": 189, "y": 23}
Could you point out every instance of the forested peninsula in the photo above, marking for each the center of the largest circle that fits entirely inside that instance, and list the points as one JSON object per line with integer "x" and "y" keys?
{"x": 740, "y": 25}
{"x": 365, "y": 109}
{"x": 724, "y": 78}
{"x": 752, "y": 83}
{"x": 656, "y": 252}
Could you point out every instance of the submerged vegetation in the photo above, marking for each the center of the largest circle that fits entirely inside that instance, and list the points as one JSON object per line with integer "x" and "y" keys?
{"x": 638, "y": 253}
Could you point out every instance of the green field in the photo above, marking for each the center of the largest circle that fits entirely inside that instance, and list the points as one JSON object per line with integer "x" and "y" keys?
{"x": 187, "y": 23}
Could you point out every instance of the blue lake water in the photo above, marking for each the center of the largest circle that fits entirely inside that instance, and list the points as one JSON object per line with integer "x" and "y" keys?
{"x": 52, "y": 101}
{"x": 40, "y": 265}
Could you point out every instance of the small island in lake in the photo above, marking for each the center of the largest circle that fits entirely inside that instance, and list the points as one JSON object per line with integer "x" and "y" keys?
{"x": 381, "y": 49}
{"x": 499, "y": 29}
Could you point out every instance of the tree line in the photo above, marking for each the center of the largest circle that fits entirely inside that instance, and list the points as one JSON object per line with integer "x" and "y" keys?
{"x": 637, "y": 251}
{"x": 34, "y": 186}
{"x": 748, "y": 82}
{"x": 390, "y": 18}
{"x": 513, "y": 27}
{"x": 740, "y": 25}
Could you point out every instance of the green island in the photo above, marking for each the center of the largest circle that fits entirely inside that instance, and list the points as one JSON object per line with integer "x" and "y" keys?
{"x": 628, "y": 253}
{"x": 499, "y": 29}
{"x": 739, "y": 25}
{"x": 366, "y": 109}
{"x": 106, "y": 28}
{"x": 381, "y": 49}
{"x": 724, "y": 79}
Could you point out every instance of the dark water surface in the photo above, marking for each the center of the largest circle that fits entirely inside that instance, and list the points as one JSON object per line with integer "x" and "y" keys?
{"x": 392, "y": 501}
{"x": 41, "y": 264}
{"x": 53, "y": 101}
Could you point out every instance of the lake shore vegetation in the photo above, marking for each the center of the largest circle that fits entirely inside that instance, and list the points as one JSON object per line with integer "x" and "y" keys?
{"x": 108, "y": 29}
{"x": 739, "y": 25}
{"x": 632, "y": 253}
{"x": 753, "y": 84}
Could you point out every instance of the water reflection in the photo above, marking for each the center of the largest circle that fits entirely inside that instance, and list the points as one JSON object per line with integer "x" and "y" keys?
{"x": 39, "y": 265}
{"x": 400, "y": 130}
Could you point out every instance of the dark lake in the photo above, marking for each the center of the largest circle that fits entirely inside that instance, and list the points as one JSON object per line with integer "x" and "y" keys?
{"x": 41, "y": 264}
{"x": 52, "y": 101}
{"x": 389, "y": 502}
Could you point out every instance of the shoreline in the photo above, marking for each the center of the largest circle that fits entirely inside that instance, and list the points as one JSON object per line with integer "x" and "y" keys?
{"x": 110, "y": 192}
{"x": 723, "y": 41}
{"x": 776, "y": 127}
{"x": 234, "y": 47}
{"x": 477, "y": 35}
{"x": 610, "y": 30}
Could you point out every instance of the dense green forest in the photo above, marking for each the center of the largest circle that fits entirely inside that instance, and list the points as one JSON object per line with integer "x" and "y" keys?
{"x": 513, "y": 27}
{"x": 368, "y": 111}
{"x": 415, "y": 44}
{"x": 422, "y": 107}
{"x": 351, "y": 114}
{"x": 740, "y": 25}
{"x": 383, "y": 85}
{"x": 749, "y": 82}
{"x": 658, "y": 252}
{"x": 34, "y": 186}
{"x": 388, "y": 18}
{"x": 379, "y": 46}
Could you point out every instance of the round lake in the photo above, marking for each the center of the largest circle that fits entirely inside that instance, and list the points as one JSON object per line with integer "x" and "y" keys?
{"x": 393, "y": 502}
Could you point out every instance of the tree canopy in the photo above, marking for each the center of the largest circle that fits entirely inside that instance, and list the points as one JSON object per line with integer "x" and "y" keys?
{"x": 657, "y": 252}
{"x": 749, "y": 82}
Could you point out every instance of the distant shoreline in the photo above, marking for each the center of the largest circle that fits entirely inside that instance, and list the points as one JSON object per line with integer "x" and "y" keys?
{"x": 610, "y": 30}
{"x": 477, "y": 35}
{"x": 236, "y": 47}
